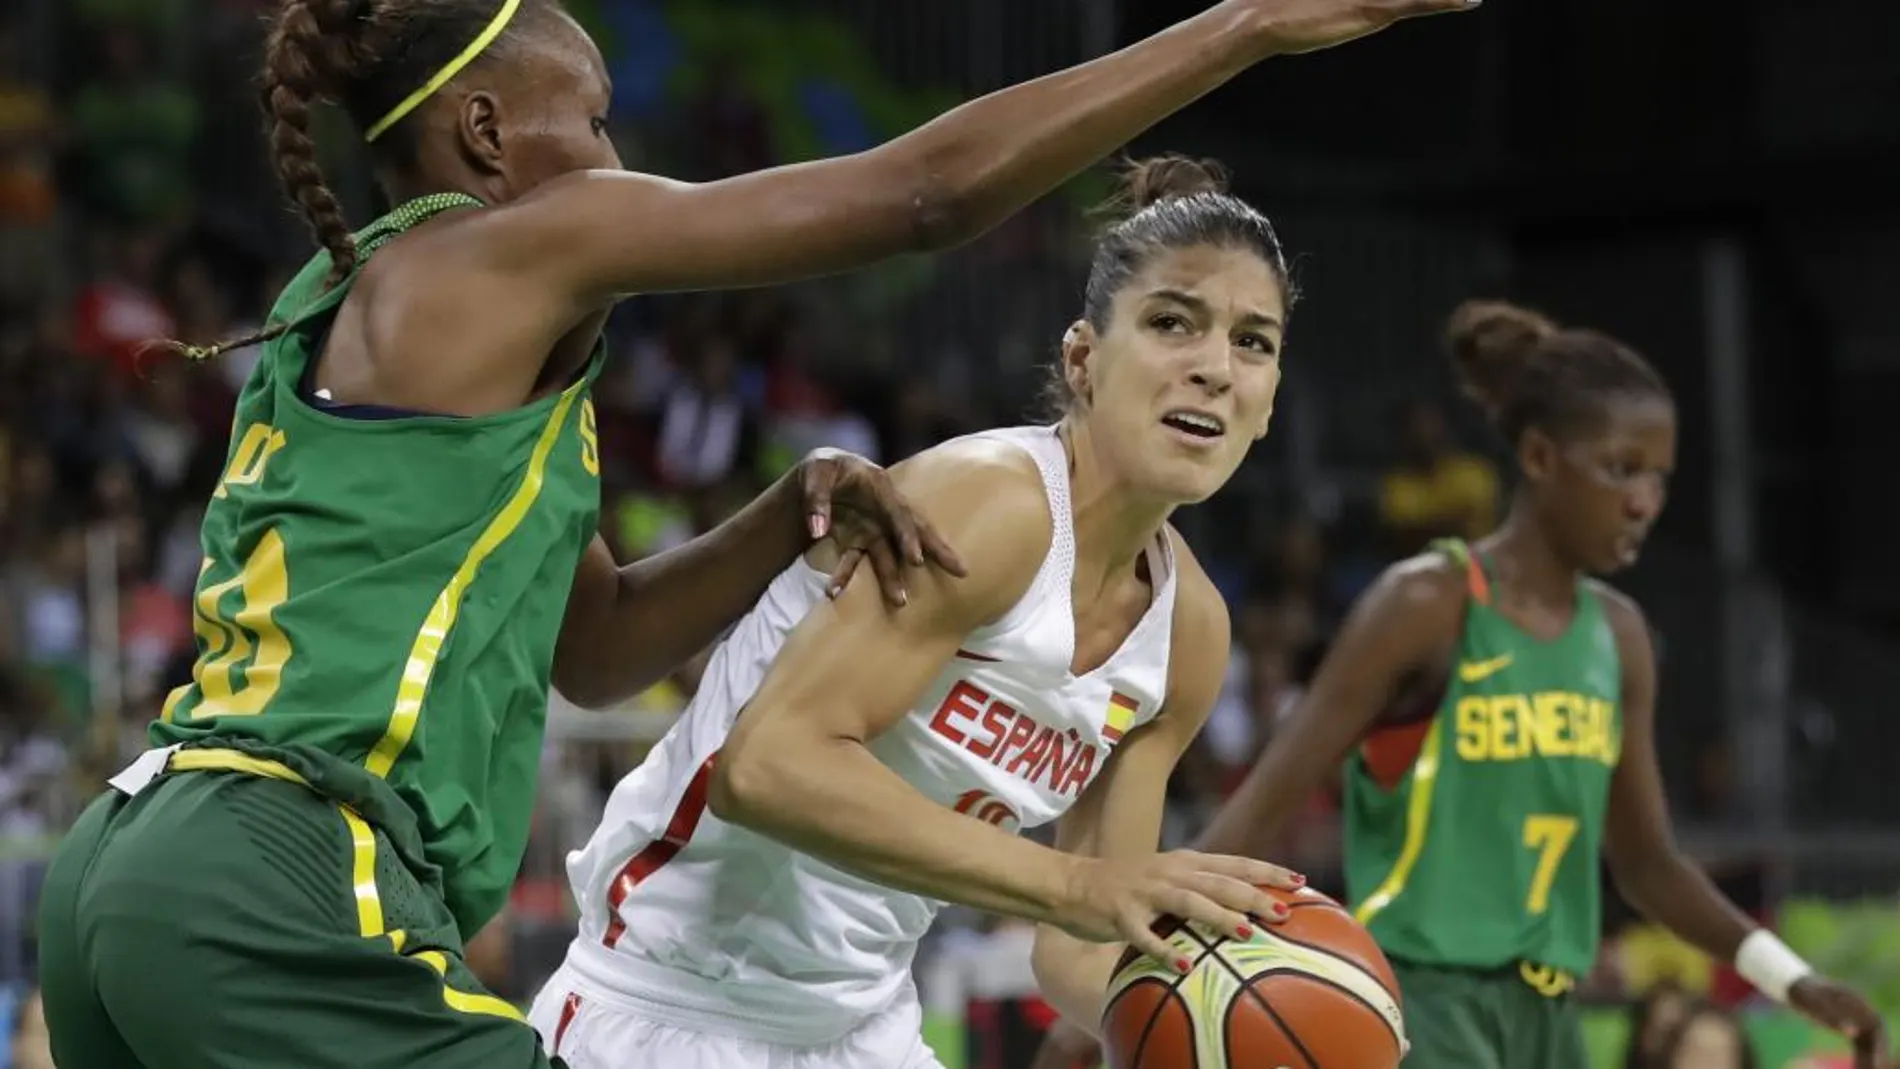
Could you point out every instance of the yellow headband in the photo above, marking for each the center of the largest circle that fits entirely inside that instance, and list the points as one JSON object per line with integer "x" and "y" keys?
{"x": 454, "y": 67}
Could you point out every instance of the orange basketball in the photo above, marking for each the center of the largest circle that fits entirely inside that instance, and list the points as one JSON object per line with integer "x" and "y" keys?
{"x": 1311, "y": 993}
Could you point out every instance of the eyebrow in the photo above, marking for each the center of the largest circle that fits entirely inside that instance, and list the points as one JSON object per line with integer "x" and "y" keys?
{"x": 1201, "y": 308}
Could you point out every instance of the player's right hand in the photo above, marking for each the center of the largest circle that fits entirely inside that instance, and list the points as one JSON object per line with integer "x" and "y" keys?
{"x": 1119, "y": 899}
{"x": 1293, "y": 26}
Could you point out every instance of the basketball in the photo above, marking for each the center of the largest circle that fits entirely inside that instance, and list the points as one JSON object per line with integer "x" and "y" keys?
{"x": 1311, "y": 993}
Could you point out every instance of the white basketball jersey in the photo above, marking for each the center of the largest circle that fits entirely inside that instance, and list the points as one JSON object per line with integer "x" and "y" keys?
{"x": 706, "y": 923}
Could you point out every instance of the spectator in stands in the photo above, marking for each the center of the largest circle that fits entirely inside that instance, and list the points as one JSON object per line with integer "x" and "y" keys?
{"x": 1652, "y": 1019}
{"x": 707, "y": 433}
{"x": 1435, "y": 490}
{"x": 29, "y": 200}
{"x": 1707, "y": 1038}
{"x": 132, "y": 131}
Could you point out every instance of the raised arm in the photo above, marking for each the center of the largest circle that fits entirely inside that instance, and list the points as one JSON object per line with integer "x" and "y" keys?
{"x": 1120, "y": 815}
{"x": 936, "y": 187}
{"x": 1401, "y": 624}
{"x": 797, "y": 766}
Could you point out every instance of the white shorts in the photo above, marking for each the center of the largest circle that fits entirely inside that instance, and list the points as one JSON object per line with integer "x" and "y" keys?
{"x": 588, "y": 1033}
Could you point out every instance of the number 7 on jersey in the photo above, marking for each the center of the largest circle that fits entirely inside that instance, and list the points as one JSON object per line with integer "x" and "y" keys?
{"x": 1550, "y": 835}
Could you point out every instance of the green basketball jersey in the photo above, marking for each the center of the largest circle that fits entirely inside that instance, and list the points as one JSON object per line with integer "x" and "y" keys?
{"x": 385, "y": 593}
{"x": 1485, "y": 853}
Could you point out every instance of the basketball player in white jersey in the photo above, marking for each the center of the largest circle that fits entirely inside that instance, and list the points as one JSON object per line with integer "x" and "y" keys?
{"x": 756, "y": 890}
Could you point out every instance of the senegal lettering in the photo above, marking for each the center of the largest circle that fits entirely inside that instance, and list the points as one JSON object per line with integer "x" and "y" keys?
{"x": 1013, "y": 741}
{"x": 1515, "y": 727}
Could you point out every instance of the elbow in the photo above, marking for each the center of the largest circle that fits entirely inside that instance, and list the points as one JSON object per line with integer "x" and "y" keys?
{"x": 1641, "y": 874}
{"x": 742, "y": 782}
{"x": 940, "y": 219}
{"x": 940, "y": 198}
{"x": 591, "y": 685}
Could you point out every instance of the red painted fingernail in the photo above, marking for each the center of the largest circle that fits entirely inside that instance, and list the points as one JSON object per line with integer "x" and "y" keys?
{"x": 1298, "y": 880}
{"x": 1183, "y": 965}
{"x": 1244, "y": 931}
{"x": 1282, "y": 912}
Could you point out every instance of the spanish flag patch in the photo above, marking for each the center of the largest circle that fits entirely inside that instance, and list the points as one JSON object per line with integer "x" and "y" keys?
{"x": 1121, "y": 713}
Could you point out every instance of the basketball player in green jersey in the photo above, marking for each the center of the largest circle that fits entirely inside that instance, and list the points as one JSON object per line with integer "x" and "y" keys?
{"x": 401, "y": 555}
{"x": 1473, "y": 825}
{"x": 1473, "y": 831}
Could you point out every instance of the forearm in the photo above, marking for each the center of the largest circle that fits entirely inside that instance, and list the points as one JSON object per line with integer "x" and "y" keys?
{"x": 1249, "y": 821}
{"x": 1671, "y": 891}
{"x": 834, "y": 800}
{"x": 670, "y": 606}
{"x": 1074, "y": 975}
{"x": 988, "y": 158}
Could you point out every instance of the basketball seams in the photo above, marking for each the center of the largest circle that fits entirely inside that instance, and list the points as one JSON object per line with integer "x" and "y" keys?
{"x": 1324, "y": 981}
{"x": 1347, "y": 974}
{"x": 1208, "y": 998}
{"x": 1154, "y": 1017}
{"x": 1278, "y": 1022}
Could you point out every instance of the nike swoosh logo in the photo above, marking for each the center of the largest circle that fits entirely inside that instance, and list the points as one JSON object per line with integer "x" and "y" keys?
{"x": 1479, "y": 671}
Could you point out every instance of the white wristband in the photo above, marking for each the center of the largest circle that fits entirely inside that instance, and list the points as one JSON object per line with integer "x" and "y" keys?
{"x": 1767, "y": 962}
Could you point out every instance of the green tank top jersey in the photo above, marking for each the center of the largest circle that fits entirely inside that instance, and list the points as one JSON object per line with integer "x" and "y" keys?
{"x": 380, "y": 597}
{"x": 1484, "y": 854}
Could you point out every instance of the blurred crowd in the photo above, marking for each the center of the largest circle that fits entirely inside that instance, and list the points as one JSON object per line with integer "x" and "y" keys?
{"x": 114, "y": 230}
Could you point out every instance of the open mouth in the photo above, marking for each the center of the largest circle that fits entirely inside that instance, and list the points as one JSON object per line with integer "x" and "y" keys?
{"x": 1195, "y": 424}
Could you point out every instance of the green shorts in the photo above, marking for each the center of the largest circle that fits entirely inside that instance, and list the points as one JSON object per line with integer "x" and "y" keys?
{"x": 1467, "y": 1019}
{"x": 230, "y": 920}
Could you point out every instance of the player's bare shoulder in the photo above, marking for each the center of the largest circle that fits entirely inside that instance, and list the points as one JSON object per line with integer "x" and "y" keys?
{"x": 1428, "y": 590}
{"x": 1201, "y": 634}
{"x": 1627, "y": 622}
{"x": 986, "y": 498}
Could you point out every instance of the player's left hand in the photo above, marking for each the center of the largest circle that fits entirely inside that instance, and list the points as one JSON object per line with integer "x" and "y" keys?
{"x": 852, "y": 501}
{"x": 1843, "y": 1010}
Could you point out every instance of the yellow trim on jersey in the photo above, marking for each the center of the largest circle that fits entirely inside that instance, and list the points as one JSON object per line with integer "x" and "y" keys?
{"x": 211, "y": 760}
{"x": 1121, "y": 713}
{"x": 447, "y": 73}
{"x": 1418, "y": 812}
{"x": 464, "y": 1001}
{"x": 420, "y": 668}
{"x": 369, "y": 901}
{"x": 370, "y": 921}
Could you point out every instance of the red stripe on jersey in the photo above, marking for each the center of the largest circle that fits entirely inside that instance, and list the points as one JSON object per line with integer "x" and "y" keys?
{"x": 569, "y": 1007}
{"x": 1118, "y": 698}
{"x": 968, "y": 656}
{"x": 1112, "y": 734}
{"x": 641, "y": 866}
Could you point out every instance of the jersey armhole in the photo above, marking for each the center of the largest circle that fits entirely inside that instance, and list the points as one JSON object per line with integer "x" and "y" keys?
{"x": 1388, "y": 752}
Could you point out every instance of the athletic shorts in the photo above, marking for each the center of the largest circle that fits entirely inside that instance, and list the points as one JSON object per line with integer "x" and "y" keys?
{"x": 220, "y": 919}
{"x": 1494, "y": 1019}
{"x": 586, "y": 1030}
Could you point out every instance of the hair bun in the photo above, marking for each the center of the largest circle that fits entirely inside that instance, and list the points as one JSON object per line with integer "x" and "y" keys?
{"x": 1489, "y": 343}
{"x": 1155, "y": 179}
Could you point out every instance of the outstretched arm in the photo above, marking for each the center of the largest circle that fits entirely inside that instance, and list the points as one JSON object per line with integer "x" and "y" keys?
{"x": 627, "y": 627}
{"x": 1401, "y": 623}
{"x": 936, "y": 187}
{"x": 1665, "y": 886}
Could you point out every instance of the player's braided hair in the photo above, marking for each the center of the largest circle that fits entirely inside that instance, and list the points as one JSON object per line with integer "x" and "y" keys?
{"x": 364, "y": 56}
{"x": 1526, "y": 371}
{"x": 1163, "y": 203}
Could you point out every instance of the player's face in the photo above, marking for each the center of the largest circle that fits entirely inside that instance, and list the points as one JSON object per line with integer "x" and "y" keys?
{"x": 553, "y": 120}
{"x": 1182, "y": 382}
{"x": 1602, "y": 492}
